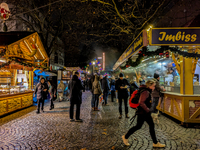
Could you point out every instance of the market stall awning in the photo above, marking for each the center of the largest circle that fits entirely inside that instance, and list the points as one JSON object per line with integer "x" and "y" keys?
{"x": 44, "y": 73}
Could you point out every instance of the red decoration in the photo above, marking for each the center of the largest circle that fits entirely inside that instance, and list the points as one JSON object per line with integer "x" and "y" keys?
{"x": 2, "y": 10}
{"x": 140, "y": 52}
{"x": 161, "y": 54}
{"x": 167, "y": 54}
{"x": 4, "y": 16}
{"x": 127, "y": 66}
{"x": 143, "y": 54}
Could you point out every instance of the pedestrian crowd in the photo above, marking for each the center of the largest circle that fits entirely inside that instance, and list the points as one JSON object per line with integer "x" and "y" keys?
{"x": 120, "y": 89}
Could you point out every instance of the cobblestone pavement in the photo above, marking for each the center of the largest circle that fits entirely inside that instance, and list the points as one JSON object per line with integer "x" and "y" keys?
{"x": 101, "y": 130}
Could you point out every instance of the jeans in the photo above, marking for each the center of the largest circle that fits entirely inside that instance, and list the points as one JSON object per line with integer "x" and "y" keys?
{"x": 154, "y": 104}
{"x": 41, "y": 100}
{"x": 105, "y": 97}
{"x": 140, "y": 121}
{"x": 71, "y": 112}
{"x": 92, "y": 100}
{"x": 125, "y": 97}
{"x": 96, "y": 100}
{"x": 112, "y": 95}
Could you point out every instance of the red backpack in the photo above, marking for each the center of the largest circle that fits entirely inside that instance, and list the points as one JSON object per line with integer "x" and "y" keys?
{"x": 133, "y": 102}
{"x": 134, "y": 99}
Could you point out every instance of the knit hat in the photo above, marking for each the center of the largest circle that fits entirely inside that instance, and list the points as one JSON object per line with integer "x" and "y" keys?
{"x": 156, "y": 75}
{"x": 121, "y": 75}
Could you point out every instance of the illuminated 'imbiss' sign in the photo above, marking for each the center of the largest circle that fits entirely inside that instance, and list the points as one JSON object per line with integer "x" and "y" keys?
{"x": 175, "y": 36}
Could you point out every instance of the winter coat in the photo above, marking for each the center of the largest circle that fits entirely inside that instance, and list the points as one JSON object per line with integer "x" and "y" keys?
{"x": 112, "y": 85}
{"x": 144, "y": 100}
{"x": 133, "y": 87}
{"x": 75, "y": 87}
{"x": 96, "y": 87}
{"x": 123, "y": 83}
{"x": 40, "y": 90}
{"x": 61, "y": 86}
{"x": 156, "y": 92}
{"x": 105, "y": 85}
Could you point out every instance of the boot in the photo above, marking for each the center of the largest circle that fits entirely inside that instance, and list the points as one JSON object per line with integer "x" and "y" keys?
{"x": 127, "y": 116}
{"x": 93, "y": 108}
{"x": 120, "y": 116}
{"x": 96, "y": 108}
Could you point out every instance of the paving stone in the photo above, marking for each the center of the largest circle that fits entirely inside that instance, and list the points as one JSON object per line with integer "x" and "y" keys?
{"x": 100, "y": 130}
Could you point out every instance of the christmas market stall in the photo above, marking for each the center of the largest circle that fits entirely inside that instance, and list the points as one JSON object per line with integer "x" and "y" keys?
{"x": 21, "y": 53}
{"x": 173, "y": 53}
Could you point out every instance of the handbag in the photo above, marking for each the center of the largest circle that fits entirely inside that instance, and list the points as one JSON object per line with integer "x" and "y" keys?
{"x": 60, "y": 91}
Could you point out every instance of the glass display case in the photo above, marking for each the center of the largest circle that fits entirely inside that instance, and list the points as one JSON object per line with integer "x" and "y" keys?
{"x": 7, "y": 89}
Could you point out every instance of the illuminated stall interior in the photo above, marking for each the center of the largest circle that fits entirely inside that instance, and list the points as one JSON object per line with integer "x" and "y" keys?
{"x": 21, "y": 52}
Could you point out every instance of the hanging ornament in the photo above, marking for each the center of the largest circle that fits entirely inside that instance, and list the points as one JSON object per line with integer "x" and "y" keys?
{"x": 5, "y": 12}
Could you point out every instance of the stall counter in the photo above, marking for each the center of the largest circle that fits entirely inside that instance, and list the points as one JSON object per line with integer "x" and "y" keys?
{"x": 185, "y": 108}
{"x": 12, "y": 102}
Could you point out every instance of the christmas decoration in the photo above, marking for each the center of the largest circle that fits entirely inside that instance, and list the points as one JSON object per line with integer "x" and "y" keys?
{"x": 5, "y": 12}
{"x": 34, "y": 50}
{"x": 163, "y": 50}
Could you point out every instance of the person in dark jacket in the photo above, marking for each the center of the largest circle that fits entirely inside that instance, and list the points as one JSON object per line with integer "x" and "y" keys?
{"x": 52, "y": 92}
{"x": 112, "y": 88}
{"x": 41, "y": 91}
{"x": 133, "y": 86}
{"x": 90, "y": 83}
{"x": 106, "y": 89}
{"x": 143, "y": 114}
{"x": 122, "y": 88}
{"x": 75, "y": 87}
{"x": 156, "y": 93}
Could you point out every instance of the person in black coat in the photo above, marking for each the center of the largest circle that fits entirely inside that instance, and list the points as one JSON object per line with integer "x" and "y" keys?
{"x": 122, "y": 88}
{"x": 53, "y": 93}
{"x": 112, "y": 88}
{"x": 75, "y": 87}
{"x": 106, "y": 89}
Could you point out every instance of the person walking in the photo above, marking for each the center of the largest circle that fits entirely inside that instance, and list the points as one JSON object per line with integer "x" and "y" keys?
{"x": 97, "y": 91}
{"x": 133, "y": 86}
{"x": 106, "y": 89}
{"x": 112, "y": 88}
{"x": 156, "y": 93}
{"x": 52, "y": 92}
{"x": 60, "y": 89}
{"x": 90, "y": 88}
{"x": 122, "y": 88}
{"x": 143, "y": 114}
{"x": 75, "y": 87}
{"x": 41, "y": 91}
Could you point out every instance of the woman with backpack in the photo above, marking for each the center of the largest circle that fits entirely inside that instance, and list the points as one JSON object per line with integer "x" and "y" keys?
{"x": 97, "y": 91}
{"x": 144, "y": 114}
{"x": 52, "y": 92}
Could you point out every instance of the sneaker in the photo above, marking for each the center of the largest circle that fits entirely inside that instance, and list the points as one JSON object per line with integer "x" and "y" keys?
{"x": 120, "y": 116}
{"x": 71, "y": 120}
{"x": 79, "y": 120}
{"x": 127, "y": 116}
{"x": 125, "y": 141}
{"x": 158, "y": 145}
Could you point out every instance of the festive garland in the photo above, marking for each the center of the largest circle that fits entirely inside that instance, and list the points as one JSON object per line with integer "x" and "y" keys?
{"x": 163, "y": 50}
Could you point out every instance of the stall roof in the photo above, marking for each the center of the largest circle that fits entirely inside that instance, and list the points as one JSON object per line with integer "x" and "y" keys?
{"x": 22, "y": 45}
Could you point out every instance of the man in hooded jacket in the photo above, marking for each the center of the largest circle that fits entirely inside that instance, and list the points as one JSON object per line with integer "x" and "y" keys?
{"x": 75, "y": 87}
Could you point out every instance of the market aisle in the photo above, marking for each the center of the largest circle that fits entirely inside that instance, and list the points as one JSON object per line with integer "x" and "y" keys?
{"x": 100, "y": 130}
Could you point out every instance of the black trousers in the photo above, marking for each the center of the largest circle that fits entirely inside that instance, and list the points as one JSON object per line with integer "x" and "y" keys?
{"x": 155, "y": 104}
{"x": 112, "y": 95}
{"x": 140, "y": 121}
{"x": 125, "y": 97}
{"x": 71, "y": 112}
{"x": 51, "y": 102}
{"x": 41, "y": 100}
{"x": 96, "y": 100}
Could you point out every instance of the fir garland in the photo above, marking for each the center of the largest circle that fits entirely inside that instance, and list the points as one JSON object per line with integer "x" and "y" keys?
{"x": 160, "y": 51}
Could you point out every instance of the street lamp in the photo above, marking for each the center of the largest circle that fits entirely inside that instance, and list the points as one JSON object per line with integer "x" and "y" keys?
{"x": 93, "y": 64}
